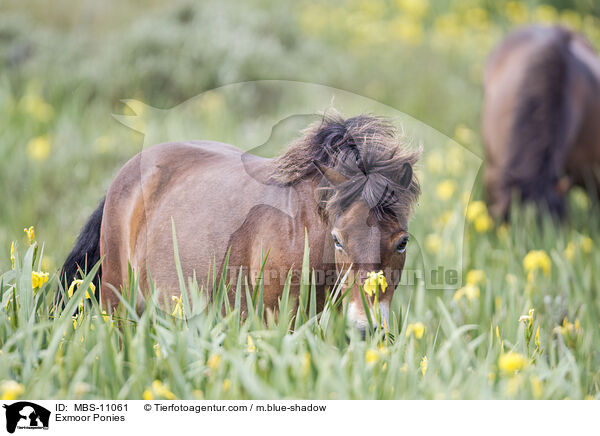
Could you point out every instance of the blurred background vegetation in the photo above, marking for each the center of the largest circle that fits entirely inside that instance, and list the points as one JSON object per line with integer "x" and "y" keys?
{"x": 65, "y": 67}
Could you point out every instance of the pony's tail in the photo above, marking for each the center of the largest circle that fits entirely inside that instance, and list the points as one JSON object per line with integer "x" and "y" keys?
{"x": 538, "y": 138}
{"x": 86, "y": 252}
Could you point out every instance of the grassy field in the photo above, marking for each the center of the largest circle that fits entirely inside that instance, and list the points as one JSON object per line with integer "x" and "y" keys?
{"x": 524, "y": 323}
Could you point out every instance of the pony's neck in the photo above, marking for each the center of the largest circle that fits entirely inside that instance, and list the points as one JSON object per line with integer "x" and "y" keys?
{"x": 313, "y": 219}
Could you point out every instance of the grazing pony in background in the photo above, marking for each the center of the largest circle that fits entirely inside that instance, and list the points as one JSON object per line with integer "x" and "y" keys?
{"x": 541, "y": 118}
{"x": 347, "y": 184}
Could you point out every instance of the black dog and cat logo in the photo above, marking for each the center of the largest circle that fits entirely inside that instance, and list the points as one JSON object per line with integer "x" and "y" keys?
{"x": 26, "y": 415}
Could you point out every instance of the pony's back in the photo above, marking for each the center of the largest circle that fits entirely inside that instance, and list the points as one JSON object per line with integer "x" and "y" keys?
{"x": 531, "y": 117}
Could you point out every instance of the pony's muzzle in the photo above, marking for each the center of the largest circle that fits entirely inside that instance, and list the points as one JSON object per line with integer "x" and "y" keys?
{"x": 358, "y": 317}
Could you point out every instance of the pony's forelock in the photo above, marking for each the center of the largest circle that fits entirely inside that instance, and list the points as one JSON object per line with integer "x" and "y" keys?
{"x": 367, "y": 150}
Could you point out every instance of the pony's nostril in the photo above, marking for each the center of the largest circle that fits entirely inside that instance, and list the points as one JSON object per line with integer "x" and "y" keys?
{"x": 362, "y": 330}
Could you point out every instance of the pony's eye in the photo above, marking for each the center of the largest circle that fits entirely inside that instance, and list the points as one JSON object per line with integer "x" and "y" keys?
{"x": 336, "y": 242}
{"x": 401, "y": 247}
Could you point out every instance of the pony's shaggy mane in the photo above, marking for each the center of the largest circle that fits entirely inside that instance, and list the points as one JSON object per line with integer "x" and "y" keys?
{"x": 367, "y": 150}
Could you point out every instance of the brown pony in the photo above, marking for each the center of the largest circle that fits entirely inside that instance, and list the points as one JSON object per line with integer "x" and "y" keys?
{"x": 541, "y": 118}
{"x": 347, "y": 184}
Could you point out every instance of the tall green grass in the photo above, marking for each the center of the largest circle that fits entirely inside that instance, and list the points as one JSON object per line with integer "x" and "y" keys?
{"x": 214, "y": 351}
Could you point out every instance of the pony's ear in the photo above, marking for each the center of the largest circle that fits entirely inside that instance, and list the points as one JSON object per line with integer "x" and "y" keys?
{"x": 332, "y": 176}
{"x": 406, "y": 175}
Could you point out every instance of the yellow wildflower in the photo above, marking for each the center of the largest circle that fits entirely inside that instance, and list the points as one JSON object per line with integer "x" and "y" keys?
{"x": 78, "y": 282}
{"x": 475, "y": 277}
{"x": 502, "y": 231}
{"x": 475, "y": 209}
{"x": 407, "y": 29}
{"x": 570, "y": 251}
{"x": 305, "y": 365}
{"x": 511, "y": 362}
{"x": 580, "y": 198}
{"x": 476, "y": 18}
{"x": 251, "y": 346}
{"x": 226, "y": 385}
{"x": 423, "y": 365}
{"x": 414, "y": 8}
{"x": 38, "y": 148}
{"x": 587, "y": 244}
{"x": 537, "y": 260}
{"x": 38, "y": 279}
{"x": 418, "y": 328}
{"x": 568, "y": 329}
{"x": 545, "y": 14}
{"x": 516, "y": 12}
{"x": 464, "y": 135}
{"x": 448, "y": 28}
{"x": 483, "y": 223}
{"x": 161, "y": 390}
{"x": 178, "y": 309}
{"x": 30, "y": 232}
{"x": 371, "y": 356}
{"x": 570, "y": 19}
{"x": 433, "y": 243}
{"x": 147, "y": 395}
{"x": 213, "y": 361}
{"x": 471, "y": 292}
{"x": 10, "y": 390}
{"x": 446, "y": 189}
{"x": 12, "y": 254}
{"x": 373, "y": 280}
{"x": 477, "y": 214}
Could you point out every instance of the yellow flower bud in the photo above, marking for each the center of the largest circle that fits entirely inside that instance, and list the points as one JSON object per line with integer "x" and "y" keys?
{"x": 423, "y": 365}
{"x": 213, "y": 361}
{"x": 30, "y": 232}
